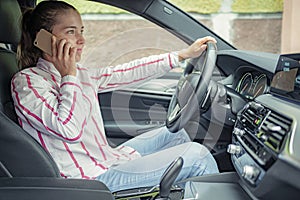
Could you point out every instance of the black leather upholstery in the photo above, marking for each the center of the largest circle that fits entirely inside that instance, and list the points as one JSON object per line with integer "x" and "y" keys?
{"x": 21, "y": 155}
{"x": 10, "y": 33}
{"x": 8, "y": 68}
{"x": 52, "y": 188}
{"x": 10, "y": 15}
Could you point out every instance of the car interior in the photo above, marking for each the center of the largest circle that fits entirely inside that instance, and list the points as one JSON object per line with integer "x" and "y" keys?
{"x": 247, "y": 114}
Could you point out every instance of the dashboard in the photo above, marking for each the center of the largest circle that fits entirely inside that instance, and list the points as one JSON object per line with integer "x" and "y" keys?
{"x": 265, "y": 148}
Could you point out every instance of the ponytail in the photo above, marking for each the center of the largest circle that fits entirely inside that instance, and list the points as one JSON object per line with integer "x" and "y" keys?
{"x": 27, "y": 53}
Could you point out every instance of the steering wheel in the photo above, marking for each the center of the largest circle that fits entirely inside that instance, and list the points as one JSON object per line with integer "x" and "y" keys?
{"x": 192, "y": 89}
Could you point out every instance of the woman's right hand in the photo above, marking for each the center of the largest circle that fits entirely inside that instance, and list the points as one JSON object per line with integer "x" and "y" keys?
{"x": 195, "y": 49}
{"x": 63, "y": 57}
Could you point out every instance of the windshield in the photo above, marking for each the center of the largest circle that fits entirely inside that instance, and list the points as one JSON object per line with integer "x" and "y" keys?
{"x": 247, "y": 25}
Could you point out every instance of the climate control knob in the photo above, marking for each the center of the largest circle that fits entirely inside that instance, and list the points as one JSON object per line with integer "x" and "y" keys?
{"x": 234, "y": 149}
{"x": 238, "y": 132}
{"x": 250, "y": 173}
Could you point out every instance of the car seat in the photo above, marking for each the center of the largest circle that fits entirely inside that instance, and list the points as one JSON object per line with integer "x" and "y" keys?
{"x": 10, "y": 34}
{"x": 12, "y": 137}
{"x": 27, "y": 171}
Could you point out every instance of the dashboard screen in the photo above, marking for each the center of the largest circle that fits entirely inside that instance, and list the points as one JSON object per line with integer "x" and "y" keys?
{"x": 286, "y": 81}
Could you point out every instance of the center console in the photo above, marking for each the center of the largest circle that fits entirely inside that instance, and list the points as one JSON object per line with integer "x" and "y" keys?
{"x": 262, "y": 155}
{"x": 260, "y": 151}
{"x": 258, "y": 137}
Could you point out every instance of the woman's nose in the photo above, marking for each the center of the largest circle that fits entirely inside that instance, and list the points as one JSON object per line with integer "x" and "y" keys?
{"x": 80, "y": 39}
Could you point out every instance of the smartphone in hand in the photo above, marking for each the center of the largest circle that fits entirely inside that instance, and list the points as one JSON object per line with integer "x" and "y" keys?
{"x": 43, "y": 41}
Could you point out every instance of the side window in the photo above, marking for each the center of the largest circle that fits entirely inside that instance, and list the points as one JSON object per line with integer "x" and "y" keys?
{"x": 115, "y": 39}
{"x": 115, "y": 36}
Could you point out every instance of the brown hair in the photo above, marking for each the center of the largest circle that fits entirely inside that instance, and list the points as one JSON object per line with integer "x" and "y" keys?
{"x": 42, "y": 16}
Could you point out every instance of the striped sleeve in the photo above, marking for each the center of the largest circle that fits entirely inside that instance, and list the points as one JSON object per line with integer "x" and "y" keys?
{"x": 136, "y": 71}
{"x": 55, "y": 111}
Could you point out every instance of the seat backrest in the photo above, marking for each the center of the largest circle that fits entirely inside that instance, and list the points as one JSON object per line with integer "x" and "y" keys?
{"x": 20, "y": 154}
{"x": 8, "y": 67}
{"x": 10, "y": 33}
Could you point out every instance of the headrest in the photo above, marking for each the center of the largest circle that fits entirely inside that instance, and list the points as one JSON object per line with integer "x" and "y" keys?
{"x": 10, "y": 19}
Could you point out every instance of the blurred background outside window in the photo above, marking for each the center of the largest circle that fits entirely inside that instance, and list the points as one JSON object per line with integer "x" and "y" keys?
{"x": 116, "y": 36}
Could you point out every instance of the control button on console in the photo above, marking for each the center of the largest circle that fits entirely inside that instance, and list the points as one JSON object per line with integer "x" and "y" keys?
{"x": 234, "y": 149}
{"x": 250, "y": 173}
{"x": 238, "y": 132}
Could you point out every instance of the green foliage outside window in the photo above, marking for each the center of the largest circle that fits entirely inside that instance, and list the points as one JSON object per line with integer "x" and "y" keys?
{"x": 257, "y": 6}
{"x": 198, "y": 6}
{"x": 193, "y": 6}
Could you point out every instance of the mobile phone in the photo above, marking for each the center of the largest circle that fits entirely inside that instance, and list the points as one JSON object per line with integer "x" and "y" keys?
{"x": 43, "y": 41}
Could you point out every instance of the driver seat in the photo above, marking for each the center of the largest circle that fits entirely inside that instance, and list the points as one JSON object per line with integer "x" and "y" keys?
{"x": 15, "y": 161}
{"x": 26, "y": 169}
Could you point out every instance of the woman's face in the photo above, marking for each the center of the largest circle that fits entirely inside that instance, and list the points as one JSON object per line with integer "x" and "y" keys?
{"x": 69, "y": 26}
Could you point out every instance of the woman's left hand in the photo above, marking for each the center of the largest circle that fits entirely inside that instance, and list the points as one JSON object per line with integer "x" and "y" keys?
{"x": 195, "y": 49}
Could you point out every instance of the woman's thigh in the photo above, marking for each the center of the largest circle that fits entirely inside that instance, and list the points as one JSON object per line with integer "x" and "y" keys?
{"x": 157, "y": 140}
{"x": 147, "y": 171}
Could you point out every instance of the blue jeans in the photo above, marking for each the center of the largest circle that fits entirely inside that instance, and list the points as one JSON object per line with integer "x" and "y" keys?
{"x": 158, "y": 149}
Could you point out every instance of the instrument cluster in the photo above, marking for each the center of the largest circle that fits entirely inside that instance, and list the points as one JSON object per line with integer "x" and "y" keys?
{"x": 252, "y": 84}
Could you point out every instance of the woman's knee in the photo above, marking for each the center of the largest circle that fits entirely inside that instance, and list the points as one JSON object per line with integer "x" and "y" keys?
{"x": 183, "y": 135}
{"x": 197, "y": 150}
{"x": 199, "y": 155}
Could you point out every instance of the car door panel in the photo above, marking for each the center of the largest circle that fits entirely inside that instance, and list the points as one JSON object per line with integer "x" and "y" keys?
{"x": 127, "y": 113}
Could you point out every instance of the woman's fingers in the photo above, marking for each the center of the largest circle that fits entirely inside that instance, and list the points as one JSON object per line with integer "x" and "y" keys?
{"x": 53, "y": 46}
{"x": 73, "y": 51}
{"x": 206, "y": 39}
{"x": 201, "y": 49}
{"x": 66, "y": 50}
{"x": 60, "y": 48}
{"x": 195, "y": 49}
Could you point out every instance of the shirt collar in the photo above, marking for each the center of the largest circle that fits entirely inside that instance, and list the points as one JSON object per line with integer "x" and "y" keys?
{"x": 47, "y": 66}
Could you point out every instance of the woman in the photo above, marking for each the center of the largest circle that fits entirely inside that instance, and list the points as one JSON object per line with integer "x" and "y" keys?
{"x": 56, "y": 102}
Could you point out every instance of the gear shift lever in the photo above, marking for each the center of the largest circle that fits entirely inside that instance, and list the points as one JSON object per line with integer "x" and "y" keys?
{"x": 168, "y": 178}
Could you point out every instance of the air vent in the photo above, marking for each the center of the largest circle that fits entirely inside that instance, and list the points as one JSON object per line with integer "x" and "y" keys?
{"x": 274, "y": 130}
{"x": 252, "y": 116}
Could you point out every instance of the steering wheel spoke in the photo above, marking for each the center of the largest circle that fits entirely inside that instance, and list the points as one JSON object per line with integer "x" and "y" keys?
{"x": 174, "y": 113}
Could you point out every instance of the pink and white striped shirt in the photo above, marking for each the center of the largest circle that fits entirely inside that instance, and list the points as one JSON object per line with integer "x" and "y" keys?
{"x": 63, "y": 114}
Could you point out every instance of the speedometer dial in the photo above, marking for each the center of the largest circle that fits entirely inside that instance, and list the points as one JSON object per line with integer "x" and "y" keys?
{"x": 260, "y": 85}
{"x": 245, "y": 83}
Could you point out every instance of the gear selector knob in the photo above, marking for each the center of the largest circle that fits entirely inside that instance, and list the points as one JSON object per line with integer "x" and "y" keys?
{"x": 169, "y": 177}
